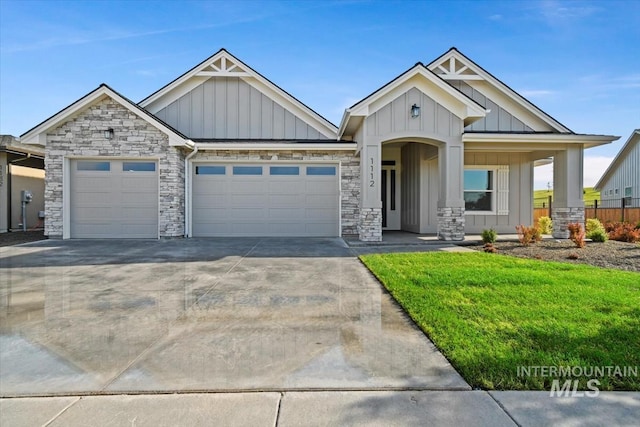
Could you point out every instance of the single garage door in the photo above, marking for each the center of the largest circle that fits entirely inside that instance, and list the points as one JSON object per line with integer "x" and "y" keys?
{"x": 265, "y": 200}
{"x": 114, "y": 199}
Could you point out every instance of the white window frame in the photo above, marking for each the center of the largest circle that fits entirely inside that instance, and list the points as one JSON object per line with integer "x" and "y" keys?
{"x": 499, "y": 191}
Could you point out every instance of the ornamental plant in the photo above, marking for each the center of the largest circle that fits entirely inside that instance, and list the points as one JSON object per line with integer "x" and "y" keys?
{"x": 576, "y": 234}
{"x": 545, "y": 224}
{"x": 489, "y": 236}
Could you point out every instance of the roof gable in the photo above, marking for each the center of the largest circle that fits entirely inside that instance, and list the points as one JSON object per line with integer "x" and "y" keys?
{"x": 425, "y": 81}
{"x": 627, "y": 148}
{"x": 222, "y": 65}
{"x": 38, "y": 134}
{"x": 453, "y": 66}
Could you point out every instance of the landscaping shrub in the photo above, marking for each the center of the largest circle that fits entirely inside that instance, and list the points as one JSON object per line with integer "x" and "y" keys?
{"x": 623, "y": 232}
{"x": 489, "y": 248}
{"x": 576, "y": 234}
{"x": 489, "y": 236}
{"x": 595, "y": 230}
{"x": 528, "y": 235}
{"x": 545, "y": 224}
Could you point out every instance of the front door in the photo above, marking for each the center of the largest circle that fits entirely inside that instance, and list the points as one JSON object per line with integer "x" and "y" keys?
{"x": 390, "y": 186}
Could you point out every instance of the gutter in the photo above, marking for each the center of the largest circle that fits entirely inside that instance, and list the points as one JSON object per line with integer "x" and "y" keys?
{"x": 187, "y": 188}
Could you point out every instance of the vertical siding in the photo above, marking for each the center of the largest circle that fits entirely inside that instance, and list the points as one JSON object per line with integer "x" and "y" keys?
{"x": 627, "y": 174}
{"x": 395, "y": 117}
{"x": 520, "y": 192}
{"x": 229, "y": 108}
{"x": 498, "y": 119}
{"x": 411, "y": 185}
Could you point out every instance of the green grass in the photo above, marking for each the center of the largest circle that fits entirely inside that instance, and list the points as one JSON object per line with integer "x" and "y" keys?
{"x": 590, "y": 194}
{"x": 490, "y": 314}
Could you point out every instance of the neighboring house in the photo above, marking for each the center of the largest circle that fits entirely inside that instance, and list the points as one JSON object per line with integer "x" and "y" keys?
{"x": 21, "y": 168}
{"x": 444, "y": 148}
{"x": 622, "y": 177}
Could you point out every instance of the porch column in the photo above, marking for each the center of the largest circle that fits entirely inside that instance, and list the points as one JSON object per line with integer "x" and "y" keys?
{"x": 568, "y": 204}
{"x": 451, "y": 191}
{"x": 370, "y": 224}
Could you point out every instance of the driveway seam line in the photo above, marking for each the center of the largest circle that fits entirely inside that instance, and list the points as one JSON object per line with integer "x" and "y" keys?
{"x": 56, "y": 416}
{"x": 504, "y": 409}
{"x": 150, "y": 346}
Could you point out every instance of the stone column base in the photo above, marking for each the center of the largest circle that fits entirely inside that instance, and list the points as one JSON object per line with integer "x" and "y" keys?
{"x": 562, "y": 217}
{"x": 370, "y": 225}
{"x": 451, "y": 224}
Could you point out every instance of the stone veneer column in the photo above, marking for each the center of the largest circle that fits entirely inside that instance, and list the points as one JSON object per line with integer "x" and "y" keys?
{"x": 568, "y": 204}
{"x": 370, "y": 224}
{"x": 370, "y": 227}
{"x": 450, "y": 223}
{"x": 450, "y": 194}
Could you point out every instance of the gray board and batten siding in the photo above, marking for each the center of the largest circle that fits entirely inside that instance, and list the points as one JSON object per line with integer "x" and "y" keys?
{"x": 230, "y": 108}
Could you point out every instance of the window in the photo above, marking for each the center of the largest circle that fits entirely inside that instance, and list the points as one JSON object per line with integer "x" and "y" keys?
{"x": 627, "y": 196}
{"x": 284, "y": 170}
{"x": 617, "y": 192}
{"x": 210, "y": 170}
{"x": 321, "y": 170}
{"x": 94, "y": 166}
{"x": 138, "y": 166}
{"x": 247, "y": 170}
{"x": 479, "y": 189}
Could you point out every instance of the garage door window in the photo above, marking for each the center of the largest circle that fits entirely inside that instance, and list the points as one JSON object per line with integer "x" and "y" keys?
{"x": 284, "y": 170}
{"x": 138, "y": 166}
{"x": 247, "y": 170}
{"x": 321, "y": 170}
{"x": 94, "y": 166}
{"x": 210, "y": 170}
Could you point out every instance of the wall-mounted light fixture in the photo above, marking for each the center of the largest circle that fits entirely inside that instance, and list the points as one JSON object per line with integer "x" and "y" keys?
{"x": 415, "y": 111}
{"x": 108, "y": 133}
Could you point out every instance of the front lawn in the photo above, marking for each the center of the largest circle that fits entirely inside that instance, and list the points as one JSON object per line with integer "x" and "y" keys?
{"x": 491, "y": 314}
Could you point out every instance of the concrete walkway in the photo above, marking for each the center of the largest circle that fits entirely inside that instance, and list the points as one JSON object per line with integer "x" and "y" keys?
{"x": 326, "y": 408}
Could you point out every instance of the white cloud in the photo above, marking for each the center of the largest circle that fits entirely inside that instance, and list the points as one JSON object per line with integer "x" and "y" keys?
{"x": 536, "y": 93}
{"x": 594, "y": 167}
{"x": 496, "y": 17}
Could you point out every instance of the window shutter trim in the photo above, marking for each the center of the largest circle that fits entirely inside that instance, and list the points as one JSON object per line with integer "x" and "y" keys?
{"x": 503, "y": 190}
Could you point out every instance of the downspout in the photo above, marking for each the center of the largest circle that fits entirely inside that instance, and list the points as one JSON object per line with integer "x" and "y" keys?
{"x": 187, "y": 188}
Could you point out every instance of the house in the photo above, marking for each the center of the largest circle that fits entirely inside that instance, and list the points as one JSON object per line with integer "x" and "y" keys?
{"x": 621, "y": 180}
{"x": 444, "y": 148}
{"x": 21, "y": 169}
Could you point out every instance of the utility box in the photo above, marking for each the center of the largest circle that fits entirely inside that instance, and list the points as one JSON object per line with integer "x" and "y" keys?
{"x": 26, "y": 196}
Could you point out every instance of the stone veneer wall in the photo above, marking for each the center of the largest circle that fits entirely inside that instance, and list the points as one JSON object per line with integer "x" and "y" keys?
{"x": 349, "y": 174}
{"x": 562, "y": 217}
{"x": 133, "y": 138}
{"x": 451, "y": 223}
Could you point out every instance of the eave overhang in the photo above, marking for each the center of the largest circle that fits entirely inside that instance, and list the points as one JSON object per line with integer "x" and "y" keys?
{"x": 541, "y": 140}
{"x": 277, "y": 146}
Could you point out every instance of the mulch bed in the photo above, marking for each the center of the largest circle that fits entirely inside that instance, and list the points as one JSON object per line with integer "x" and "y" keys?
{"x": 610, "y": 254}
{"x": 17, "y": 237}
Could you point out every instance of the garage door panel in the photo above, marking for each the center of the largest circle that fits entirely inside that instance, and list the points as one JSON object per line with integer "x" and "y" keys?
{"x": 248, "y": 213}
{"x": 277, "y": 203}
{"x": 113, "y": 203}
{"x": 286, "y": 214}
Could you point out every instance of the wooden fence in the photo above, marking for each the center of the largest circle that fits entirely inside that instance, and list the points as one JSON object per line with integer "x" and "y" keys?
{"x": 608, "y": 214}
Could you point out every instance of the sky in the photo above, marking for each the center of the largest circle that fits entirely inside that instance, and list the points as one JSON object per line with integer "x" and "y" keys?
{"x": 579, "y": 61}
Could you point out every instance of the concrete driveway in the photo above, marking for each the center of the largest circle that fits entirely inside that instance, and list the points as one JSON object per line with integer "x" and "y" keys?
{"x": 204, "y": 315}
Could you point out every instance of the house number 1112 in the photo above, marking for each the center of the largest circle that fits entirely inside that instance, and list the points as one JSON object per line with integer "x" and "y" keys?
{"x": 372, "y": 182}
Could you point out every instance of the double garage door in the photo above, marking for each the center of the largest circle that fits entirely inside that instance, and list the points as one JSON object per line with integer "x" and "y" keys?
{"x": 265, "y": 200}
{"x": 114, "y": 199}
{"x": 118, "y": 198}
